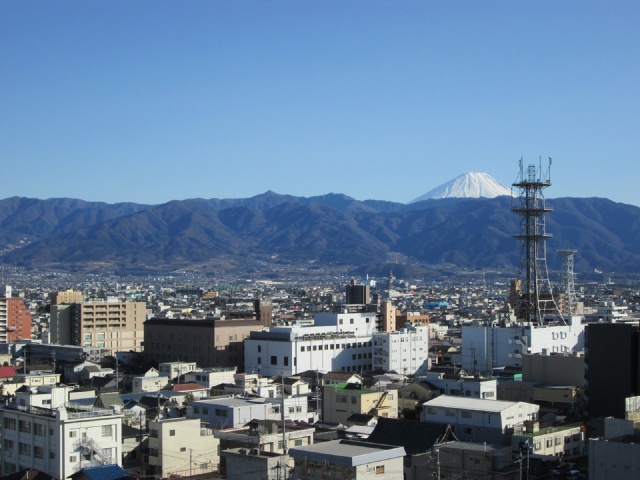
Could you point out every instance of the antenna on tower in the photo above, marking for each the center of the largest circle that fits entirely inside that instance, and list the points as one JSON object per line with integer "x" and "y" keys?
{"x": 536, "y": 297}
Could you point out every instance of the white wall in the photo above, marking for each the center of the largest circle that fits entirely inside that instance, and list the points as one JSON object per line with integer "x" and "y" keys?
{"x": 484, "y": 348}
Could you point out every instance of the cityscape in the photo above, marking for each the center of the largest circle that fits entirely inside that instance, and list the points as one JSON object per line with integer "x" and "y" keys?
{"x": 319, "y": 240}
{"x": 461, "y": 374}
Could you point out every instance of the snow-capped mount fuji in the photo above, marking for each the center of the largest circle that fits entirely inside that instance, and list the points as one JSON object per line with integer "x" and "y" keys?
{"x": 467, "y": 185}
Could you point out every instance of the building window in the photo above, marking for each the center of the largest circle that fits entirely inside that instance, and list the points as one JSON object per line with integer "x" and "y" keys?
{"x": 259, "y": 360}
{"x": 38, "y": 452}
{"x": 24, "y": 448}
{"x": 354, "y": 400}
{"x": 8, "y": 444}
{"x": 274, "y": 360}
{"x": 259, "y": 348}
{"x": 40, "y": 429}
{"x": 10, "y": 423}
{"x": 380, "y": 470}
{"x": 172, "y": 433}
{"x": 449, "y": 412}
{"x": 465, "y": 414}
{"x": 183, "y": 449}
{"x": 25, "y": 426}
{"x": 297, "y": 442}
{"x": 302, "y": 349}
{"x": 107, "y": 430}
{"x": 153, "y": 433}
{"x": 285, "y": 361}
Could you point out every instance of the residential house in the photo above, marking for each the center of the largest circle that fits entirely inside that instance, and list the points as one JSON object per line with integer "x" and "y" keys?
{"x": 550, "y": 440}
{"x": 264, "y": 436}
{"x": 151, "y": 381}
{"x": 343, "y": 400}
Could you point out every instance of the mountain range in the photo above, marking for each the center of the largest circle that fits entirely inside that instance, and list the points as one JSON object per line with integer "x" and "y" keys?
{"x": 332, "y": 229}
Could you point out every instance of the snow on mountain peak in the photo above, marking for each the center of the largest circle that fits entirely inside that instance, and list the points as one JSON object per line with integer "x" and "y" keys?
{"x": 467, "y": 185}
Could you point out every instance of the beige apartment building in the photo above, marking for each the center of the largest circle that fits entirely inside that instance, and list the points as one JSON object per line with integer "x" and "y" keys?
{"x": 68, "y": 296}
{"x": 115, "y": 326}
{"x": 182, "y": 447}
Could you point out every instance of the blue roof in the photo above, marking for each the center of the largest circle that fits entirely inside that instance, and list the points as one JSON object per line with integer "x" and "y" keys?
{"x": 105, "y": 472}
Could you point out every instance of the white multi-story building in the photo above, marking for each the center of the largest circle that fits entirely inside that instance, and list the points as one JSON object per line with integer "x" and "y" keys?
{"x": 487, "y": 347}
{"x": 290, "y": 350}
{"x": 477, "y": 420}
{"x": 473, "y": 387}
{"x": 235, "y": 412}
{"x": 609, "y": 312}
{"x": 210, "y": 377}
{"x": 349, "y": 319}
{"x": 405, "y": 351}
{"x": 175, "y": 369}
{"x": 151, "y": 381}
{"x": 181, "y": 446}
{"x": 42, "y": 430}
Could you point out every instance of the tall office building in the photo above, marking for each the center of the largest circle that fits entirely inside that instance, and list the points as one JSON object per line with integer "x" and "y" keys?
{"x": 15, "y": 319}
{"x": 358, "y": 294}
{"x": 612, "y": 367}
{"x": 116, "y": 326}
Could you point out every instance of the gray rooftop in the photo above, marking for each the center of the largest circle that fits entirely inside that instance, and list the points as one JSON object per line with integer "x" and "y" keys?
{"x": 348, "y": 453}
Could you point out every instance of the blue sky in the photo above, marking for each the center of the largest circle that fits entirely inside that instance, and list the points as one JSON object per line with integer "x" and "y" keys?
{"x": 150, "y": 101}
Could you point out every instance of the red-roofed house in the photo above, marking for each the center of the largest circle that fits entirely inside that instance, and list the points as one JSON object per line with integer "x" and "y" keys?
{"x": 181, "y": 391}
{"x": 7, "y": 373}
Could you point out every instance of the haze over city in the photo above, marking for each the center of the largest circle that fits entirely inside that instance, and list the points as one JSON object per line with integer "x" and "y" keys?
{"x": 382, "y": 100}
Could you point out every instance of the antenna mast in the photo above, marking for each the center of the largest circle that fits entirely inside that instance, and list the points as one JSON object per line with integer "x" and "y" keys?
{"x": 536, "y": 298}
{"x": 569, "y": 303}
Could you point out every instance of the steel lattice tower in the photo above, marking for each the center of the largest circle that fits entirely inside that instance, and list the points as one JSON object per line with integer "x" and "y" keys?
{"x": 536, "y": 297}
{"x": 570, "y": 304}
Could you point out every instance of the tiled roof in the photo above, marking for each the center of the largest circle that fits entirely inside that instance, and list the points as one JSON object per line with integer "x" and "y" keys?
{"x": 7, "y": 372}
{"x": 104, "y": 472}
{"x": 186, "y": 387}
{"x": 416, "y": 437}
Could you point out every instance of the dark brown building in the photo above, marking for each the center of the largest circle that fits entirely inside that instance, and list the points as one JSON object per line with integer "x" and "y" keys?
{"x": 210, "y": 342}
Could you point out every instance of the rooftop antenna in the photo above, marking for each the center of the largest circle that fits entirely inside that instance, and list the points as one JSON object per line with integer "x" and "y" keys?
{"x": 536, "y": 299}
